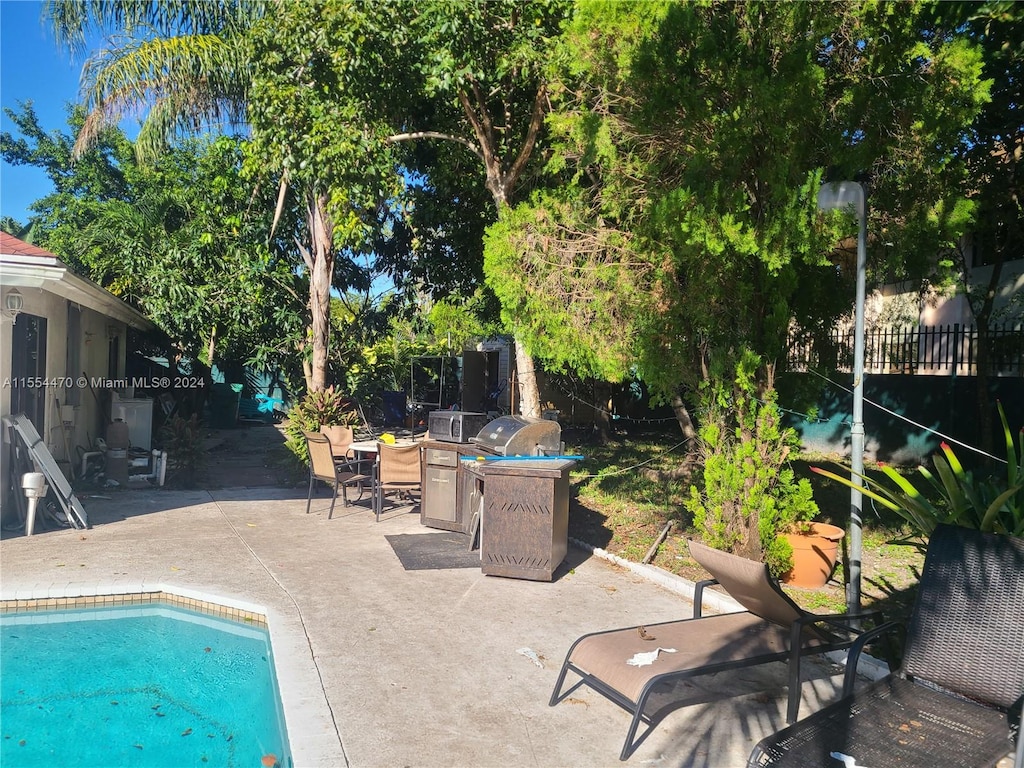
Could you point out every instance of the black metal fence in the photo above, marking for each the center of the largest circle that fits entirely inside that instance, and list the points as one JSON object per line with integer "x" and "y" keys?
{"x": 937, "y": 350}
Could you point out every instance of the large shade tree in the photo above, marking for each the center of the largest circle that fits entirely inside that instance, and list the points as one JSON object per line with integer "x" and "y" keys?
{"x": 180, "y": 237}
{"x": 321, "y": 75}
{"x": 342, "y": 90}
{"x": 317, "y": 82}
{"x": 692, "y": 139}
{"x": 190, "y": 66}
{"x": 481, "y": 84}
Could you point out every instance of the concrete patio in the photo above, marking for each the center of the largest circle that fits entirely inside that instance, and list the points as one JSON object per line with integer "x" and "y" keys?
{"x": 379, "y": 666}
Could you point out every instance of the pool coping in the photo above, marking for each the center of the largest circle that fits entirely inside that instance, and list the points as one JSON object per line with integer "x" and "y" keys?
{"x": 312, "y": 732}
{"x": 250, "y": 615}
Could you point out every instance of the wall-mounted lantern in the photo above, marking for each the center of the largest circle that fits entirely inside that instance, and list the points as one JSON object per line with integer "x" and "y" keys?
{"x": 13, "y": 304}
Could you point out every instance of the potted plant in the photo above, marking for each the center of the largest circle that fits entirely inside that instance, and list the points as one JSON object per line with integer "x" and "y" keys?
{"x": 750, "y": 501}
{"x": 814, "y": 551}
{"x": 316, "y": 412}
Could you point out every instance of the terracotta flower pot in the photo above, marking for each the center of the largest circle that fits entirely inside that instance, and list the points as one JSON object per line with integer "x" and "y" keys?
{"x": 814, "y": 555}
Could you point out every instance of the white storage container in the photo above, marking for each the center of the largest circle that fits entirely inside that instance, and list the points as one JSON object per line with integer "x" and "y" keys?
{"x": 137, "y": 413}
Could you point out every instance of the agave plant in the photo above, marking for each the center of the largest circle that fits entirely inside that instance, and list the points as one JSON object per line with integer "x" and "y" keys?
{"x": 988, "y": 504}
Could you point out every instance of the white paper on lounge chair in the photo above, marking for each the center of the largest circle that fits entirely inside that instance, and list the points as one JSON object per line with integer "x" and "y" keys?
{"x": 647, "y": 658}
{"x": 847, "y": 761}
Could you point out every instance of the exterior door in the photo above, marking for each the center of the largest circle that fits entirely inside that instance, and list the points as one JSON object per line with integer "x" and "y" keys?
{"x": 28, "y": 369}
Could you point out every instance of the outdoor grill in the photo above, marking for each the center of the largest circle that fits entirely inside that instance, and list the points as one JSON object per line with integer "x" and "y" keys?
{"x": 519, "y": 495}
{"x": 520, "y": 436}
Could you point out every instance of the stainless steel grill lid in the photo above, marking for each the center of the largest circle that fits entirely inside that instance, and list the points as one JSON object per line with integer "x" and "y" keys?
{"x": 520, "y": 436}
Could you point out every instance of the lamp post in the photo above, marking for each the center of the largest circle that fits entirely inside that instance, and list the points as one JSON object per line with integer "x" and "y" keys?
{"x": 847, "y": 194}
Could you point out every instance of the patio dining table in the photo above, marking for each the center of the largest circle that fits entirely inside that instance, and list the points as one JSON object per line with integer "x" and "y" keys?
{"x": 364, "y": 447}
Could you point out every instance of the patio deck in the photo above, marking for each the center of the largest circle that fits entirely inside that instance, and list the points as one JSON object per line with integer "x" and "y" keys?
{"x": 379, "y": 666}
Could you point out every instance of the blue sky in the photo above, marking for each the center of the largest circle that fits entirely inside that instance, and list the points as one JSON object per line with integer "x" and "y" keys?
{"x": 31, "y": 68}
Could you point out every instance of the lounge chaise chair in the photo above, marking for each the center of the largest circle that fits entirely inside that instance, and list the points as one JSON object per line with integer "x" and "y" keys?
{"x": 773, "y": 628}
{"x": 962, "y": 672}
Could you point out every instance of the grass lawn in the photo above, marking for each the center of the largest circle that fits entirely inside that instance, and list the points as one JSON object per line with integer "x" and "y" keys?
{"x": 627, "y": 490}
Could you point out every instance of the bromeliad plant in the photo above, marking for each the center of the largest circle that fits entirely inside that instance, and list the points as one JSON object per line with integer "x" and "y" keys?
{"x": 987, "y": 504}
{"x": 322, "y": 408}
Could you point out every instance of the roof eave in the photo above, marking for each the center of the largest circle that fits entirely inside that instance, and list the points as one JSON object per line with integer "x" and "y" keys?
{"x": 20, "y": 271}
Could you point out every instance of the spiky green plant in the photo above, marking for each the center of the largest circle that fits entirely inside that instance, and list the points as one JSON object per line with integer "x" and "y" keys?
{"x": 182, "y": 439}
{"x": 319, "y": 408}
{"x": 988, "y": 504}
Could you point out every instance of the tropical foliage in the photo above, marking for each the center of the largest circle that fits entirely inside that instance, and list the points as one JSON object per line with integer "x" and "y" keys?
{"x": 181, "y": 237}
{"x": 188, "y": 65}
{"x": 953, "y": 495}
{"x": 321, "y": 75}
{"x": 749, "y": 495}
{"x": 482, "y": 84}
{"x": 319, "y": 408}
{"x": 648, "y": 170}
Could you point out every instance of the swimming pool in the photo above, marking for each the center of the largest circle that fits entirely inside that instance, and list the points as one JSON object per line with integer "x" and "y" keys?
{"x": 156, "y": 685}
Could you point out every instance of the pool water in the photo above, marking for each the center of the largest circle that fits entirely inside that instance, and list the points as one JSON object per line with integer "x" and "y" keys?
{"x": 137, "y": 686}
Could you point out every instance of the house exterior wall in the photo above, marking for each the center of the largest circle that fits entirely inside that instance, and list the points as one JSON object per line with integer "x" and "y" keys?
{"x": 955, "y": 310}
{"x": 87, "y": 395}
{"x": 1007, "y": 304}
{"x": 904, "y": 304}
{"x": 81, "y": 363}
{"x": 85, "y": 388}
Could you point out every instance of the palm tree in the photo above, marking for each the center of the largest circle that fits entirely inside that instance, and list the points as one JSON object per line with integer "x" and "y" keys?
{"x": 187, "y": 66}
{"x": 182, "y": 63}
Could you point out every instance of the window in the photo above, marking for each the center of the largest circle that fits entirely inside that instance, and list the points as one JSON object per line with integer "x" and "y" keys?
{"x": 28, "y": 364}
{"x": 73, "y": 395}
{"x": 114, "y": 357}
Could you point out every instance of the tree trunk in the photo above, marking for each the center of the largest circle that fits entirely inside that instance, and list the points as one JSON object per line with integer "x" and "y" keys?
{"x": 307, "y": 369}
{"x": 212, "y": 346}
{"x": 501, "y": 178}
{"x": 529, "y": 392}
{"x": 602, "y": 405}
{"x": 982, "y": 313}
{"x": 321, "y": 270}
{"x": 749, "y": 544}
{"x": 683, "y": 417}
{"x": 982, "y": 320}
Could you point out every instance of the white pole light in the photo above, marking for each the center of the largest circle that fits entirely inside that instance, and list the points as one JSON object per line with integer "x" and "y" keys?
{"x": 850, "y": 194}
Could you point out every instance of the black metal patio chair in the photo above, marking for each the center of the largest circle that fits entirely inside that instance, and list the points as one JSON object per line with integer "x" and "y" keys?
{"x": 956, "y": 699}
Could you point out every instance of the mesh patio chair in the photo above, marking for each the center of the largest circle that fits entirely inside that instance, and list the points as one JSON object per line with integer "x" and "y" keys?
{"x": 956, "y": 699}
{"x": 772, "y": 628}
{"x": 340, "y": 438}
{"x": 324, "y": 466}
{"x": 397, "y": 471}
